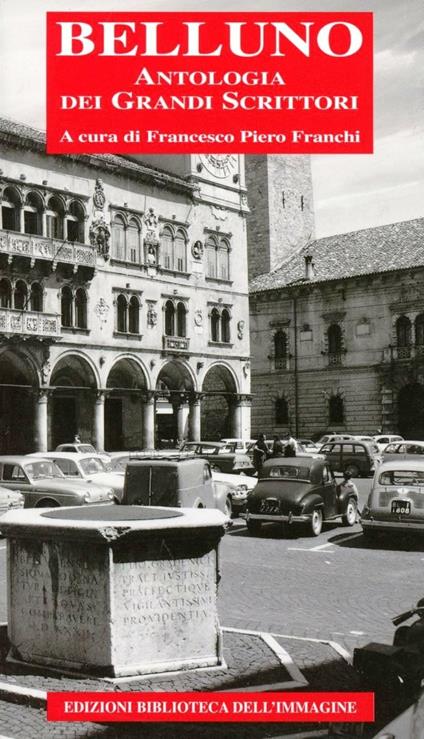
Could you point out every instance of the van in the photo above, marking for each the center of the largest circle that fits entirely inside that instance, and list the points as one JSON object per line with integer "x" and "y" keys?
{"x": 357, "y": 458}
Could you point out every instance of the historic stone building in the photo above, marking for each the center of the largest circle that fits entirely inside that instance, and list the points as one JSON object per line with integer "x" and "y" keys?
{"x": 337, "y": 326}
{"x": 123, "y": 297}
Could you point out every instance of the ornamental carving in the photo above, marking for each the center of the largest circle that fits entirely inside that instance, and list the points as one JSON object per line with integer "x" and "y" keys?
{"x": 240, "y": 329}
{"x": 99, "y": 197}
{"x": 198, "y": 318}
{"x": 152, "y": 316}
{"x": 101, "y": 310}
{"x": 99, "y": 235}
{"x": 219, "y": 213}
{"x": 197, "y": 250}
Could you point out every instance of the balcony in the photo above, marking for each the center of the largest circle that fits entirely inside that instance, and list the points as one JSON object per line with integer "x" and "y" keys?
{"x": 399, "y": 353}
{"x": 29, "y": 323}
{"x": 176, "y": 344}
{"x": 38, "y": 247}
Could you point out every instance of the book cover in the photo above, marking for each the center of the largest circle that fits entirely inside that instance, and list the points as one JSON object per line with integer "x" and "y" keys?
{"x": 244, "y": 329}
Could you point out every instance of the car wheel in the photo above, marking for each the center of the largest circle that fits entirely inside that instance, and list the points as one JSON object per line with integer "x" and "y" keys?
{"x": 47, "y": 503}
{"x": 254, "y": 527}
{"x": 228, "y": 508}
{"x": 351, "y": 513}
{"x": 315, "y": 524}
{"x": 352, "y": 469}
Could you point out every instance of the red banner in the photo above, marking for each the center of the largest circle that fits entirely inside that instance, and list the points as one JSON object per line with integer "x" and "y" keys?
{"x": 206, "y": 707}
{"x": 200, "y": 82}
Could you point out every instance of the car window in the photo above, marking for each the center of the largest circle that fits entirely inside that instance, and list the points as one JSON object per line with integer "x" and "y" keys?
{"x": 43, "y": 470}
{"x": 336, "y": 448}
{"x": 14, "y": 473}
{"x": 120, "y": 463}
{"x": 288, "y": 472}
{"x": 326, "y": 448}
{"x": 91, "y": 466}
{"x": 68, "y": 467}
{"x": 360, "y": 449}
{"x": 383, "y": 440}
{"x": 391, "y": 448}
{"x": 67, "y": 448}
{"x": 86, "y": 448}
{"x": 402, "y": 477}
{"x": 401, "y": 449}
{"x": 348, "y": 448}
{"x": 414, "y": 449}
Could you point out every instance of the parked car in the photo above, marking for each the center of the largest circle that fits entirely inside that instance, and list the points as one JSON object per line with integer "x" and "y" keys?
{"x": 298, "y": 490}
{"x": 10, "y": 500}
{"x": 333, "y": 437}
{"x": 237, "y": 445}
{"x": 357, "y": 458}
{"x": 238, "y": 488}
{"x": 43, "y": 485}
{"x": 385, "y": 439}
{"x": 218, "y": 457}
{"x": 309, "y": 446}
{"x": 88, "y": 467}
{"x": 175, "y": 481}
{"x": 396, "y": 500}
{"x": 80, "y": 448}
{"x": 403, "y": 450}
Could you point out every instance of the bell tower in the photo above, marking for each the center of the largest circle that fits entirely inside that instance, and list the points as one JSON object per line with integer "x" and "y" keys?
{"x": 281, "y": 218}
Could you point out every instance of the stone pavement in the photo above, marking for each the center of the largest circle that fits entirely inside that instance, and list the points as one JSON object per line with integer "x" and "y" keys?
{"x": 255, "y": 662}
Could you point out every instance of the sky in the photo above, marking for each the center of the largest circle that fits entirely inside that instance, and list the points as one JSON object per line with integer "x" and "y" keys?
{"x": 350, "y": 191}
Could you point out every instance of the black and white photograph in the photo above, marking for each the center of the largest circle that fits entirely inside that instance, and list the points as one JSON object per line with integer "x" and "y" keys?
{"x": 212, "y": 416}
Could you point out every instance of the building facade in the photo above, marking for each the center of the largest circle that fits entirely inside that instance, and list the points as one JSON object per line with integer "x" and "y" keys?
{"x": 123, "y": 298}
{"x": 337, "y": 332}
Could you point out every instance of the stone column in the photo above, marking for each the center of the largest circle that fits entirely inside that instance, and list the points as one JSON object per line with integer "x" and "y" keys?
{"x": 149, "y": 420}
{"x": 182, "y": 418}
{"x": 194, "y": 417}
{"x": 41, "y": 428}
{"x": 22, "y": 220}
{"x": 99, "y": 421}
{"x": 241, "y": 416}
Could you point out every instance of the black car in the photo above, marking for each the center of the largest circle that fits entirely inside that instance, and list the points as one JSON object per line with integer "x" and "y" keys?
{"x": 219, "y": 458}
{"x": 299, "y": 490}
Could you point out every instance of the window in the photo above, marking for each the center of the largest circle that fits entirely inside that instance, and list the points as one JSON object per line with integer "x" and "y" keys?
{"x": 134, "y": 316}
{"x": 334, "y": 335}
{"x": 54, "y": 219}
{"x": 225, "y": 326}
{"x": 122, "y": 314}
{"x": 181, "y": 320}
{"x": 403, "y": 332}
{"x": 66, "y": 305}
{"x": 180, "y": 252}
{"x": 281, "y": 411}
{"x": 75, "y": 220}
{"x": 5, "y": 294}
{"x": 81, "y": 308}
{"x": 280, "y": 345}
{"x": 173, "y": 248}
{"x": 20, "y": 295}
{"x": 419, "y": 330}
{"x": 215, "y": 321}
{"x": 32, "y": 214}
{"x": 211, "y": 257}
{"x": 217, "y": 258}
{"x": 11, "y": 209}
{"x": 133, "y": 234}
{"x": 224, "y": 260}
{"x": 36, "y": 297}
{"x": 169, "y": 318}
{"x": 336, "y": 409}
{"x": 118, "y": 238}
{"x": 166, "y": 248}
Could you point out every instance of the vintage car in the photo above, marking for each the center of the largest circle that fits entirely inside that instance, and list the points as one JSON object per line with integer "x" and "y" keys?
{"x": 357, "y": 458}
{"x": 9, "y": 500}
{"x": 43, "y": 485}
{"x": 88, "y": 467}
{"x": 403, "y": 450}
{"x": 383, "y": 439}
{"x": 176, "y": 481}
{"x": 298, "y": 490}
{"x": 78, "y": 447}
{"x": 396, "y": 500}
{"x": 219, "y": 458}
{"x": 238, "y": 488}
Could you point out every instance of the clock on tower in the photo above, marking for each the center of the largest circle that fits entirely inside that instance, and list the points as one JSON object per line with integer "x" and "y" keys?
{"x": 219, "y": 165}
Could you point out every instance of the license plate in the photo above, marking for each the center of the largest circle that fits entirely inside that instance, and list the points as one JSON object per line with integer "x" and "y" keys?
{"x": 401, "y": 507}
{"x": 269, "y": 506}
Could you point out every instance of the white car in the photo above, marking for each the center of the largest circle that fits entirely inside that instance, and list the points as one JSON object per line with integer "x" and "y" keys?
{"x": 385, "y": 439}
{"x": 89, "y": 467}
{"x": 237, "y": 445}
{"x": 239, "y": 486}
{"x": 76, "y": 447}
{"x": 395, "y": 502}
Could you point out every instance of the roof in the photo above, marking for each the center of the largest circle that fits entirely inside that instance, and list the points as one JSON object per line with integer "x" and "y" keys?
{"x": 14, "y": 133}
{"x": 306, "y": 459}
{"x": 402, "y": 464}
{"x": 368, "y": 251}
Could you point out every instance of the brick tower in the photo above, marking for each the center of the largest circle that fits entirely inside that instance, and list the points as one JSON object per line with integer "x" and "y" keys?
{"x": 281, "y": 218}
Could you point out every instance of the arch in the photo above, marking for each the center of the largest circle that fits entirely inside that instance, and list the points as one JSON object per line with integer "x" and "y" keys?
{"x": 66, "y": 306}
{"x": 411, "y": 411}
{"x": 55, "y": 215}
{"x": 20, "y": 295}
{"x": 211, "y": 250}
{"x": 118, "y": 237}
{"x": 133, "y": 240}
{"x": 174, "y": 381}
{"x": 134, "y": 316}
{"x": 36, "y": 297}
{"x": 181, "y": 319}
{"x": 81, "y": 308}
{"x": 220, "y": 388}
{"x": 167, "y": 247}
{"x": 180, "y": 251}
{"x": 225, "y": 326}
{"x": 75, "y": 222}
{"x": 33, "y": 209}
{"x": 18, "y": 380}
{"x": 419, "y": 330}
{"x": 223, "y": 260}
{"x": 11, "y": 208}
{"x": 215, "y": 324}
{"x": 403, "y": 332}
{"x": 121, "y": 313}
{"x": 336, "y": 411}
{"x": 169, "y": 318}
{"x": 74, "y": 378}
{"x": 335, "y": 342}
{"x": 124, "y": 405}
{"x": 5, "y": 293}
